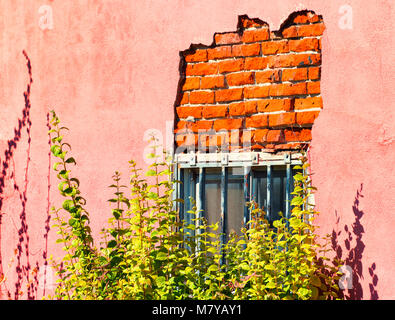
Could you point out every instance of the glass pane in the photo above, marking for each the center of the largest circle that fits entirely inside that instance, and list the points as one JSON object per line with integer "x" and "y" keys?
{"x": 213, "y": 202}
{"x": 236, "y": 203}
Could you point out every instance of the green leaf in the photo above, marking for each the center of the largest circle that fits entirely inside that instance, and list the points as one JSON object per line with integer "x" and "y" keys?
{"x": 212, "y": 268}
{"x": 161, "y": 256}
{"x": 71, "y": 160}
{"x": 111, "y": 244}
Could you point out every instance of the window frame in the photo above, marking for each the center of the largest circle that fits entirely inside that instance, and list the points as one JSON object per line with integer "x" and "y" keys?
{"x": 249, "y": 161}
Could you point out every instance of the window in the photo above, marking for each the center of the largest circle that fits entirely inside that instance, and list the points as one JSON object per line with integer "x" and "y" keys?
{"x": 222, "y": 184}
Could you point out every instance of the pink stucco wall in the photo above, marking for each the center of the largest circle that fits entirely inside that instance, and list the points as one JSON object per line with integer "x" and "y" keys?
{"x": 110, "y": 70}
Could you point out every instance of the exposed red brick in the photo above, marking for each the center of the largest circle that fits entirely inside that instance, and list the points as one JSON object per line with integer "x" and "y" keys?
{"x": 185, "y": 139}
{"x": 214, "y": 111}
{"x": 256, "y": 92}
{"x": 257, "y": 121}
{"x": 185, "y": 98}
{"x": 268, "y": 76}
{"x": 314, "y": 73}
{"x": 227, "y": 124}
{"x": 256, "y": 63}
{"x": 246, "y": 23}
{"x": 282, "y": 119}
{"x": 228, "y": 94}
{"x": 272, "y": 105}
{"x": 306, "y": 44}
{"x": 307, "y": 18}
{"x": 201, "y": 69}
{"x": 246, "y": 50}
{"x": 294, "y": 60}
{"x": 274, "y": 47}
{"x": 274, "y": 136}
{"x": 287, "y": 89}
{"x": 307, "y": 117}
{"x": 311, "y": 30}
{"x": 238, "y": 79}
{"x": 231, "y": 65}
{"x": 199, "y": 56}
{"x": 259, "y": 135}
{"x": 191, "y": 83}
{"x": 185, "y": 112}
{"x": 227, "y": 38}
{"x": 313, "y": 87}
{"x": 255, "y": 35}
{"x": 221, "y": 52}
{"x": 296, "y": 134}
{"x": 290, "y": 32}
{"x": 242, "y": 108}
{"x": 294, "y": 74}
{"x": 306, "y": 103}
{"x": 204, "y": 124}
{"x": 199, "y": 97}
{"x": 212, "y": 82}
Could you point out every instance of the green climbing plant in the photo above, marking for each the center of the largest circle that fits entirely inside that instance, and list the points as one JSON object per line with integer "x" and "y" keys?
{"x": 147, "y": 252}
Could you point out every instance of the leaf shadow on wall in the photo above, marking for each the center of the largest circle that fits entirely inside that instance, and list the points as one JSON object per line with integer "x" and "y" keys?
{"x": 352, "y": 256}
{"x": 23, "y": 269}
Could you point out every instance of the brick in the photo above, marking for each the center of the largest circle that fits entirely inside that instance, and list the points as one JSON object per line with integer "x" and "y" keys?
{"x": 313, "y": 87}
{"x": 186, "y": 139}
{"x": 238, "y": 79}
{"x": 201, "y": 69}
{"x": 214, "y": 111}
{"x": 231, "y": 65}
{"x": 272, "y": 105}
{"x": 185, "y": 112}
{"x": 212, "y": 82}
{"x": 307, "y": 44}
{"x": 257, "y": 121}
{"x": 219, "y": 139}
{"x": 227, "y": 124}
{"x": 191, "y": 83}
{"x": 282, "y": 119}
{"x": 204, "y": 125}
{"x": 268, "y": 76}
{"x": 229, "y": 94}
{"x": 221, "y": 52}
{"x": 246, "y": 23}
{"x": 288, "y": 146}
{"x": 255, "y": 35}
{"x": 274, "y": 47}
{"x": 291, "y": 135}
{"x": 227, "y": 38}
{"x": 294, "y": 74}
{"x": 246, "y": 137}
{"x": 198, "y": 56}
{"x": 311, "y": 30}
{"x": 256, "y": 92}
{"x": 287, "y": 89}
{"x": 242, "y": 108}
{"x": 198, "y": 97}
{"x": 290, "y": 32}
{"x": 260, "y": 135}
{"x": 296, "y": 134}
{"x": 304, "y": 118}
{"x": 185, "y": 98}
{"x": 314, "y": 73}
{"x": 309, "y": 17}
{"x": 274, "y": 136}
{"x": 306, "y": 103}
{"x": 293, "y": 60}
{"x": 246, "y": 50}
{"x": 256, "y": 63}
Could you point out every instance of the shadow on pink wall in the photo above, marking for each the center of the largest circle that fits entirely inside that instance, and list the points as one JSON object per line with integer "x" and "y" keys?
{"x": 352, "y": 257}
{"x": 23, "y": 269}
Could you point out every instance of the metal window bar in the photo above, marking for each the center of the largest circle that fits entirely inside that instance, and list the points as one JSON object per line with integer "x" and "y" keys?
{"x": 249, "y": 161}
